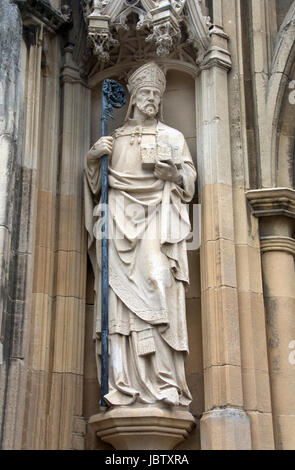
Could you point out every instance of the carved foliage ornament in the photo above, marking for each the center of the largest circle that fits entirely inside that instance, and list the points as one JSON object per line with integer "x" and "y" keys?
{"x": 102, "y": 20}
{"x": 164, "y": 36}
{"x": 101, "y": 43}
{"x": 161, "y": 17}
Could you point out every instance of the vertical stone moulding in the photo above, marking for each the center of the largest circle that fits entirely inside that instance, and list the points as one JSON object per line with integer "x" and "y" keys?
{"x": 225, "y": 424}
{"x": 71, "y": 260}
{"x": 27, "y": 107}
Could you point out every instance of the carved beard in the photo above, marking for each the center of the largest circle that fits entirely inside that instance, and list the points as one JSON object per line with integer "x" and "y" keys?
{"x": 150, "y": 110}
{"x": 132, "y": 105}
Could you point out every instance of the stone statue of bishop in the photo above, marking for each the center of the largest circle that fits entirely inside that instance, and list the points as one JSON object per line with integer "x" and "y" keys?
{"x": 151, "y": 180}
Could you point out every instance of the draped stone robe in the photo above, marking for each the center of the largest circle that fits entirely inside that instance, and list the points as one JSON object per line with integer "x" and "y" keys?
{"x": 148, "y": 269}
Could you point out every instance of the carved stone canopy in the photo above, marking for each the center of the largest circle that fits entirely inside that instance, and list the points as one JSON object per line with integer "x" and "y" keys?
{"x": 162, "y": 21}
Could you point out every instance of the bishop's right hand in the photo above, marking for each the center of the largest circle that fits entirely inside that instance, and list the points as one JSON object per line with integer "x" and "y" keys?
{"x": 104, "y": 146}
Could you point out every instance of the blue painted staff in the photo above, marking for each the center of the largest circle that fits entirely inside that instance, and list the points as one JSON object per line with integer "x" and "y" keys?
{"x": 113, "y": 96}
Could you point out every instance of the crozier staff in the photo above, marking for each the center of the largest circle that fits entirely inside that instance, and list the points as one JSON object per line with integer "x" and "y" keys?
{"x": 113, "y": 96}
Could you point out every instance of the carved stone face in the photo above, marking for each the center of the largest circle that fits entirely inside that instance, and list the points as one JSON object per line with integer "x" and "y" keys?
{"x": 147, "y": 100}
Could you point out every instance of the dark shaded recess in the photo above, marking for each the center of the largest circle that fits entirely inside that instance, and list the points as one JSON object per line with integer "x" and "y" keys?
{"x": 282, "y": 8}
{"x": 209, "y": 5}
{"x": 30, "y": 35}
{"x": 249, "y": 98}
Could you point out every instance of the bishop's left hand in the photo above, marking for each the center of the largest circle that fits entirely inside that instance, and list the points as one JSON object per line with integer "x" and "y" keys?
{"x": 168, "y": 172}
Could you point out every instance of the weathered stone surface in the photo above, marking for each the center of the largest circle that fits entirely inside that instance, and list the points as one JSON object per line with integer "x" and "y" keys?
{"x": 261, "y": 430}
{"x": 12, "y": 314}
{"x": 10, "y": 47}
{"x": 240, "y": 126}
{"x": 227, "y": 429}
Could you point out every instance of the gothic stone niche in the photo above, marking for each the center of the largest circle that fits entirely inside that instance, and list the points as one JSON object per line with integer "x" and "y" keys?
{"x": 134, "y": 49}
{"x": 166, "y": 421}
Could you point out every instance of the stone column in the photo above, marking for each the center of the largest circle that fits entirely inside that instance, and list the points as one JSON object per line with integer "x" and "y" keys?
{"x": 42, "y": 311}
{"x": 66, "y": 425}
{"x": 276, "y": 209}
{"x": 225, "y": 424}
{"x": 254, "y": 360}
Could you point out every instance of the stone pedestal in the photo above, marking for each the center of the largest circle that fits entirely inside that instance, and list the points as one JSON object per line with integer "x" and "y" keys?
{"x": 144, "y": 427}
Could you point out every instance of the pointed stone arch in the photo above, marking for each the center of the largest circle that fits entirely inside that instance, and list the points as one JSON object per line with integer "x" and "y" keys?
{"x": 277, "y": 94}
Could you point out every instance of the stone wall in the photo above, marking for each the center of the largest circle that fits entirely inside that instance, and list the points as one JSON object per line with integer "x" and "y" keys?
{"x": 230, "y": 96}
{"x": 15, "y": 227}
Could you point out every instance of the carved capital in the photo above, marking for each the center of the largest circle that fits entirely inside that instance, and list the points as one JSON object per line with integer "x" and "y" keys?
{"x": 218, "y": 54}
{"x": 166, "y": 30}
{"x": 272, "y": 202}
{"x": 101, "y": 44}
{"x": 70, "y": 72}
{"x": 276, "y": 234}
{"x": 100, "y": 38}
{"x": 164, "y": 36}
